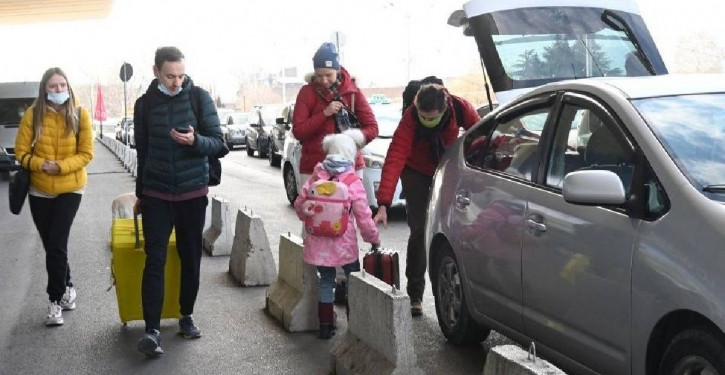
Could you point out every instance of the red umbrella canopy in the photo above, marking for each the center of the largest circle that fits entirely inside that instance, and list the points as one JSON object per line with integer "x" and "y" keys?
{"x": 100, "y": 112}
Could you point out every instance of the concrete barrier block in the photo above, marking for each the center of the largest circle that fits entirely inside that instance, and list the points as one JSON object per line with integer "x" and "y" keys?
{"x": 218, "y": 238}
{"x": 378, "y": 339}
{"x": 292, "y": 298}
{"x": 251, "y": 261}
{"x": 513, "y": 360}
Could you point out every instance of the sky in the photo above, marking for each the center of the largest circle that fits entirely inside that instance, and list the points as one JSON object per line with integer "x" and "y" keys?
{"x": 385, "y": 42}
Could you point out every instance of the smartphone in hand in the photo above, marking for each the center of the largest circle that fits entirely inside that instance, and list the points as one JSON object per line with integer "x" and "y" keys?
{"x": 182, "y": 129}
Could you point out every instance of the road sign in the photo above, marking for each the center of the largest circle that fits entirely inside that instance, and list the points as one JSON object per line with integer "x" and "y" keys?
{"x": 126, "y": 72}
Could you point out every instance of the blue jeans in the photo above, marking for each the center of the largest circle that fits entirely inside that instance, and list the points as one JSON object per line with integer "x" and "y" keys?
{"x": 159, "y": 217}
{"x": 326, "y": 284}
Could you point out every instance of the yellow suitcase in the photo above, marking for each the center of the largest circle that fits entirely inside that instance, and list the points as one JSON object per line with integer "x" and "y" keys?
{"x": 127, "y": 264}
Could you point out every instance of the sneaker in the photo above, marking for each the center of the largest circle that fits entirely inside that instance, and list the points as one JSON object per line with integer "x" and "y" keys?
{"x": 55, "y": 315}
{"x": 68, "y": 302}
{"x": 188, "y": 329}
{"x": 416, "y": 308}
{"x": 150, "y": 343}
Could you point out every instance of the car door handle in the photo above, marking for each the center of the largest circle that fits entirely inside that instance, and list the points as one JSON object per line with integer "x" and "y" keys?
{"x": 462, "y": 200}
{"x": 534, "y": 225}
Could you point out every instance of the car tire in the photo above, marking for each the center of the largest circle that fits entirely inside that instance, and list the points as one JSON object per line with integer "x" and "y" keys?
{"x": 290, "y": 184}
{"x": 230, "y": 145}
{"x": 274, "y": 159}
{"x": 454, "y": 318}
{"x": 699, "y": 350}
{"x": 250, "y": 150}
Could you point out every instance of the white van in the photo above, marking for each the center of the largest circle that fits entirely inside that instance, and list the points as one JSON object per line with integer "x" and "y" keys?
{"x": 15, "y": 99}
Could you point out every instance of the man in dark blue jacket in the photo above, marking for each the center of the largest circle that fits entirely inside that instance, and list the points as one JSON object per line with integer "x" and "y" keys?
{"x": 172, "y": 144}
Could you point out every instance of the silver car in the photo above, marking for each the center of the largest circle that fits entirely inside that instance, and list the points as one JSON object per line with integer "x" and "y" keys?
{"x": 588, "y": 216}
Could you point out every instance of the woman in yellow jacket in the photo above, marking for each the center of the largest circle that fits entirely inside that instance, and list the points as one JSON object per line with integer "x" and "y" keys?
{"x": 55, "y": 143}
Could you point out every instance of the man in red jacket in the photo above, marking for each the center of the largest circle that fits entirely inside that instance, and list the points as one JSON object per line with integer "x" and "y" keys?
{"x": 327, "y": 105}
{"x": 426, "y": 129}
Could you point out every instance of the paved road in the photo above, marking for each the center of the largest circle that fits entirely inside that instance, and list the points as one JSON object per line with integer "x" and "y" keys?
{"x": 238, "y": 337}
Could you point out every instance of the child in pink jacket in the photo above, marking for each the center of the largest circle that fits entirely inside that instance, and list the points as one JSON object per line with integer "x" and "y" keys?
{"x": 330, "y": 251}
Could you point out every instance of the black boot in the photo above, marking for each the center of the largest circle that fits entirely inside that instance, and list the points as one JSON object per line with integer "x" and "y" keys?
{"x": 326, "y": 331}
{"x": 326, "y": 313}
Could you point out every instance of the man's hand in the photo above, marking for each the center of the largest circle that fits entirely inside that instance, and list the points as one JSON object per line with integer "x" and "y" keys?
{"x": 381, "y": 216}
{"x": 50, "y": 167}
{"x": 332, "y": 108}
{"x": 183, "y": 138}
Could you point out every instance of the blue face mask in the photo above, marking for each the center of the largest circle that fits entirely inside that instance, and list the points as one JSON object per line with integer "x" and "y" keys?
{"x": 58, "y": 97}
{"x": 166, "y": 91}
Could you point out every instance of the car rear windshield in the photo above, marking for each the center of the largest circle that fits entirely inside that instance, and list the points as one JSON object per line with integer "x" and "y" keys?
{"x": 692, "y": 130}
{"x": 543, "y": 44}
{"x": 12, "y": 110}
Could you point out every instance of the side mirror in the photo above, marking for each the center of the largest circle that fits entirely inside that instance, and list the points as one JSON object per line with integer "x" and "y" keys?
{"x": 594, "y": 188}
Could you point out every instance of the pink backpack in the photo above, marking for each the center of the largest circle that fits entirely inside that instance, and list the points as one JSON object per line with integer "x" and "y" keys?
{"x": 327, "y": 207}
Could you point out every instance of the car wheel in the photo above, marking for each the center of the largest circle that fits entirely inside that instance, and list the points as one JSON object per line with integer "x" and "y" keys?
{"x": 453, "y": 317}
{"x": 250, "y": 150}
{"x": 230, "y": 145}
{"x": 694, "y": 351}
{"x": 290, "y": 184}
{"x": 274, "y": 159}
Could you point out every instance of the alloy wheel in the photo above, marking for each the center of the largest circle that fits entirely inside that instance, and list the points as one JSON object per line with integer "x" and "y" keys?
{"x": 449, "y": 292}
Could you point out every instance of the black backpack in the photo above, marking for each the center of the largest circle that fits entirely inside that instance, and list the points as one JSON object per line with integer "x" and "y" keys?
{"x": 215, "y": 166}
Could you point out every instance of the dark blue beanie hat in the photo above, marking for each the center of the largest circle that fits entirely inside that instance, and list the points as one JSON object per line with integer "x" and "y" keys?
{"x": 326, "y": 57}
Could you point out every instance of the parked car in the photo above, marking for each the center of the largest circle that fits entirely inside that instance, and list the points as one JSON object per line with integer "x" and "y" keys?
{"x": 122, "y": 130}
{"x": 584, "y": 215}
{"x": 599, "y": 237}
{"x": 378, "y": 99}
{"x": 261, "y": 121}
{"x": 15, "y": 99}
{"x": 235, "y": 126}
{"x": 374, "y": 153}
{"x": 278, "y": 134}
{"x": 388, "y": 117}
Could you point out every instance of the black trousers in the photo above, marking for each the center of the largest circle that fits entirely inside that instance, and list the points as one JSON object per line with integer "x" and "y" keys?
{"x": 416, "y": 187}
{"x": 159, "y": 217}
{"x": 53, "y": 218}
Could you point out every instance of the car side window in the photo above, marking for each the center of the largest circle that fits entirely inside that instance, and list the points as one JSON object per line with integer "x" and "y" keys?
{"x": 586, "y": 139}
{"x": 513, "y": 147}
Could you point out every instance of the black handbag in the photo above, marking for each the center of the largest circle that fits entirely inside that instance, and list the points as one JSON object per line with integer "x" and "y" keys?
{"x": 18, "y": 188}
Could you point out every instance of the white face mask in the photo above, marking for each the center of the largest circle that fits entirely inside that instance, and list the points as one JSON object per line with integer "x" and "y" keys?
{"x": 58, "y": 97}
{"x": 166, "y": 91}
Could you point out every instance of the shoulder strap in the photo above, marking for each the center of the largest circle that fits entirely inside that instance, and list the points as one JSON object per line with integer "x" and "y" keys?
{"x": 77, "y": 124}
{"x": 458, "y": 109}
{"x": 195, "y": 99}
{"x": 349, "y": 179}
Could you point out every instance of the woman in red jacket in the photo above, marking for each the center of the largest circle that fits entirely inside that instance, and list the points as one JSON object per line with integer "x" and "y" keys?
{"x": 324, "y": 106}
{"x": 426, "y": 129}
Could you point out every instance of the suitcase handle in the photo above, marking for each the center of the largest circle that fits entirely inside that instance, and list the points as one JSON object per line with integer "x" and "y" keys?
{"x": 135, "y": 229}
{"x": 375, "y": 248}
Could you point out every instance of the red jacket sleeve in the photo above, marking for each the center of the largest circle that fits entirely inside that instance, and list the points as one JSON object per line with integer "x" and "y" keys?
{"x": 396, "y": 158}
{"x": 306, "y": 122}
